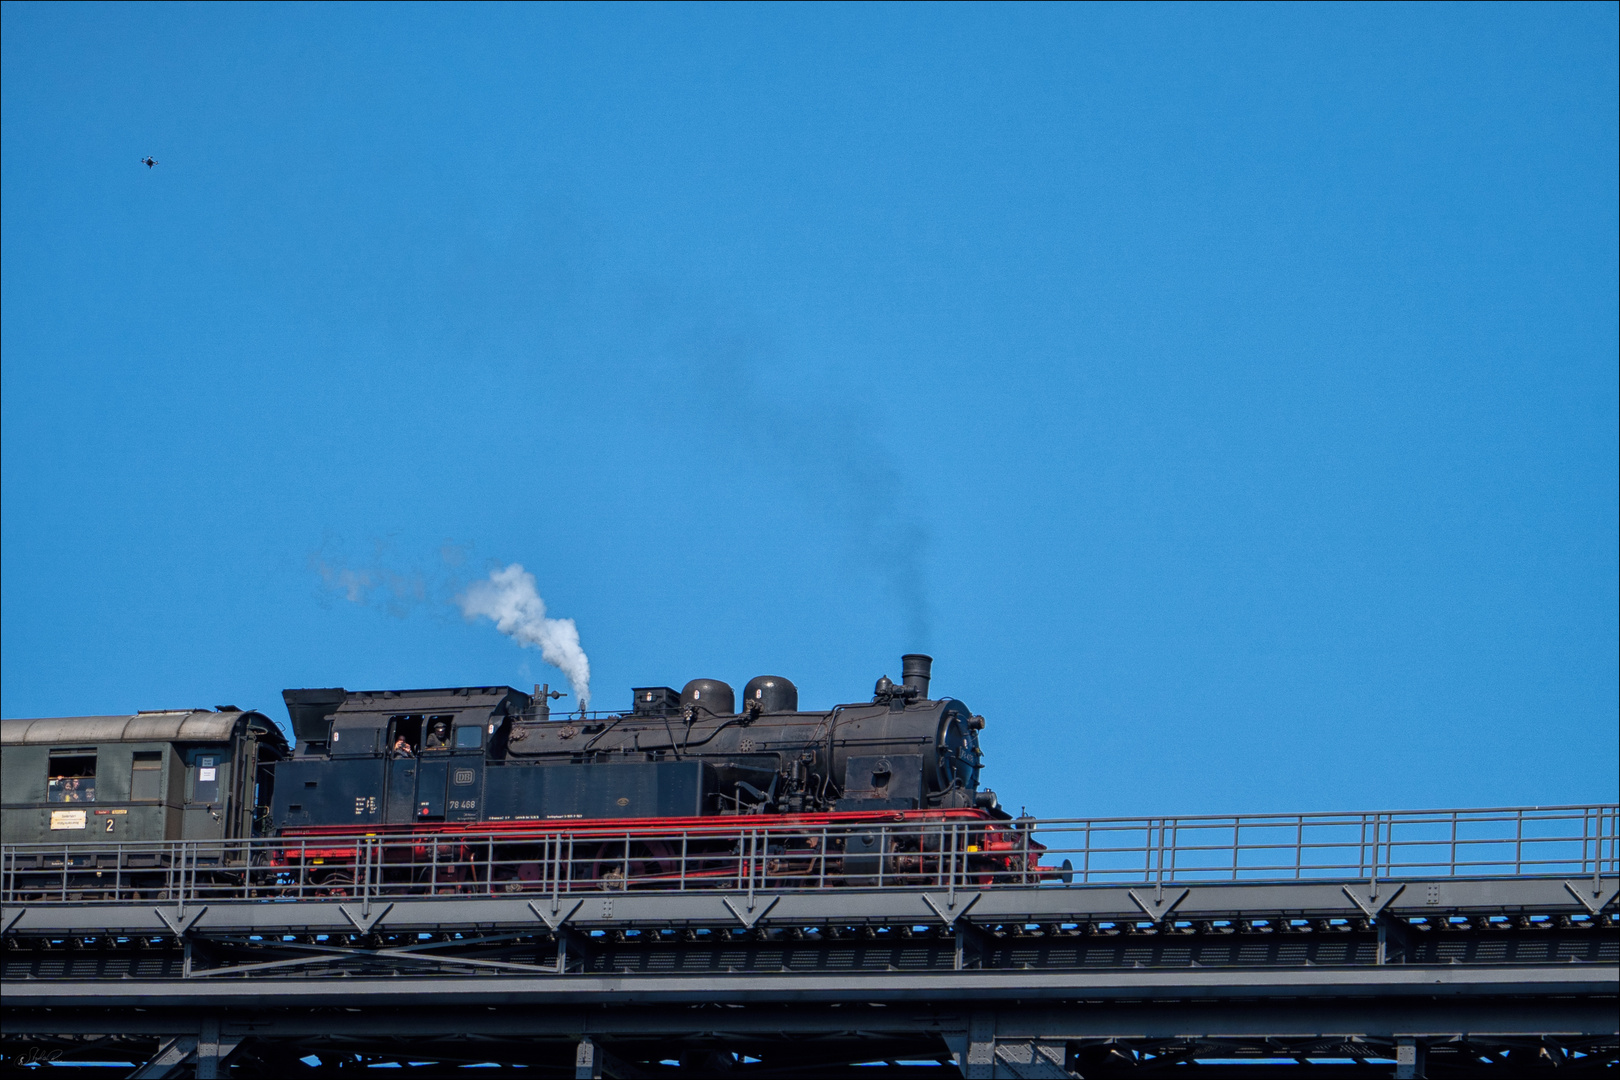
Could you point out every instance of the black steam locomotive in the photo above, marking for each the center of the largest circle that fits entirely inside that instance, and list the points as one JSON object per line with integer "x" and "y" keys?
{"x": 451, "y": 758}
{"x": 427, "y": 770}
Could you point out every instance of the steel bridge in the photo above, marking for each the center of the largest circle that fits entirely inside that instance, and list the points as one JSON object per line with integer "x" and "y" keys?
{"x": 1437, "y": 943}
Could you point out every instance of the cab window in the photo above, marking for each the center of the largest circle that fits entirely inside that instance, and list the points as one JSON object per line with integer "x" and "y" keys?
{"x": 404, "y": 735}
{"x": 469, "y": 737}
{"x": 71, "y": 776}
{"x": 436, "y": 732}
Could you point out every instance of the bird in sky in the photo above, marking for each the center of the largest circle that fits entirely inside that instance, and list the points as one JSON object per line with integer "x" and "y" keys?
{"x": 148, "y": 161}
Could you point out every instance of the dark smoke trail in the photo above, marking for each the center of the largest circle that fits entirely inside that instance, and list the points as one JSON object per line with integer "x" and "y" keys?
{"x": 848, "y": 478}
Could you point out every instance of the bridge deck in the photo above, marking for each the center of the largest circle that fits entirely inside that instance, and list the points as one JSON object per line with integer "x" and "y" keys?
{"x": 1450, "y": 971}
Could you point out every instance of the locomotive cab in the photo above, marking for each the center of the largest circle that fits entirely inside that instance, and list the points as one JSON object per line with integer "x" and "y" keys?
{"x": 390, "y": 757}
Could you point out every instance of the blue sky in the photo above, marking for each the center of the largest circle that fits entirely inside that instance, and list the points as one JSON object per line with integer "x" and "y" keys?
{"x": 1225, "y": 396}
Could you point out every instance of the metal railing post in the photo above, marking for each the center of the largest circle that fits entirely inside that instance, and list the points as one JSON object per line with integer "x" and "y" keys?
{"x": 1614, "y": 837}
{"x": 1372, "y": 863}
{"x": 362, "y": 858}
{"x": 1085, "y": 857}
{"x": 1158, "y": 856}
{"x": 1147, "y": 852}
{"x": 1175, "y": 841}
{"x": 1454, "y": 824}
{"x": 1518, "y": 843}
{"x": 753, "y": 856}
{"x": 883, "y": 850}
{"x": 1597, "y": 845}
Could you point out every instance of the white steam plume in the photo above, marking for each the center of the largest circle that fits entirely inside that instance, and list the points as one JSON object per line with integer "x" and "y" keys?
{"x": 509, "y": 599}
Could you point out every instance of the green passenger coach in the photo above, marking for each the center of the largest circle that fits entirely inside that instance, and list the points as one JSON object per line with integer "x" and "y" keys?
{"x": 187, "y": 774}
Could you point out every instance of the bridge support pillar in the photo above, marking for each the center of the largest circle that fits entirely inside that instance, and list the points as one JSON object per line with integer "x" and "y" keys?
{"x": 978, "y": 1058}
{"x": 213, "y": 1048}
{"x": 1410, "y": 1059}
{"x": 208, "y": 1049}
{"x": 588, "y": 1060}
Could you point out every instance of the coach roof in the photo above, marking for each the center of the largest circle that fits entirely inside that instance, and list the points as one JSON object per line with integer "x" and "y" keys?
{"x": 176, "y": 725}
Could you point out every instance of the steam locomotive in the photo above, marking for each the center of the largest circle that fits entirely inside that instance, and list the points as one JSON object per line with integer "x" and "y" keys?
{"x": 448, "y": 763}
{"x": 439, "y": 758}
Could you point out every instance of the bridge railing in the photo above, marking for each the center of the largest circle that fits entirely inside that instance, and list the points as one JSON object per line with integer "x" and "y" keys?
{"x": 957, "y": 850}
{"x": 1510, "y": 841}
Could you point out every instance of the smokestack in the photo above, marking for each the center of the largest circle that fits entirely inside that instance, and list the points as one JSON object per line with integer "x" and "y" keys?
{"x": 917, "y": 669}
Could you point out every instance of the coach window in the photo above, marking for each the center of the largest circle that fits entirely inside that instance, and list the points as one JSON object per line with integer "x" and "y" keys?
{"x": 72, "y": 776}
{"x": 145, "y": 775}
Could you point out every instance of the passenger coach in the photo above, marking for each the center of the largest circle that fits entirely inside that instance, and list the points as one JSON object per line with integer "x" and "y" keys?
{"x": 191, "y": 774}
